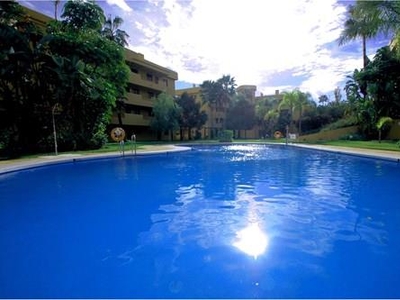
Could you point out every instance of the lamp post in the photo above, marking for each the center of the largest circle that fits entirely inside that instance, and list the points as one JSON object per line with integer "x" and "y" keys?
{"x": 287, "y": 133}
{"x": 56, "y": 106}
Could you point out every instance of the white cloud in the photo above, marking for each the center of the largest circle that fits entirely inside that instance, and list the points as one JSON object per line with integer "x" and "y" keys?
{"x": 251, "y": 40}
{"x": 120, "y": 3}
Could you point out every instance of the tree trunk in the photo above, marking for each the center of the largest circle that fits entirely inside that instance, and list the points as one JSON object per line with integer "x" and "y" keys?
{"x": 364, "y": 49}
{"x": 119, "y": 119}
{"x": 300, "y": 126}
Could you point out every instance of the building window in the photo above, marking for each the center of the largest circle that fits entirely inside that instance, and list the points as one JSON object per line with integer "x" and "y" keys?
{"x": 156, "y": 80}
{"x": 149, "y": 77}
{"x": 165, "y": 82}
{"x": 136, "y": 91}
{"x": 151, "y": 95}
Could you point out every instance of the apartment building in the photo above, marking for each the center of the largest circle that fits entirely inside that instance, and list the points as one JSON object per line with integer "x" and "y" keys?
{"x": 146, "y": 81}
{"x": 217, "y": 115}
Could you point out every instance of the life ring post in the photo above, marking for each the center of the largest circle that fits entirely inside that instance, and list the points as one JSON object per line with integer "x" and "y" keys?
{"x": 133, "y": 141}
{"x": 118, "y": 135}
{"x": 277, "y": 134}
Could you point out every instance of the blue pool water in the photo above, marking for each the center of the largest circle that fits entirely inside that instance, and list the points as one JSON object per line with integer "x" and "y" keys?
{"x": 240, "y": 221}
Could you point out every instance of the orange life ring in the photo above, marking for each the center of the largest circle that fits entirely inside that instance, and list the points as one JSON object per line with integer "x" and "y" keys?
{"x": 278, "y": 134}
{"x": 118, "y": 134}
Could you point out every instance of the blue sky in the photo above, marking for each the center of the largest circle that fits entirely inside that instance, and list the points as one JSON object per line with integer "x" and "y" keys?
{"x": 273, "y": 44}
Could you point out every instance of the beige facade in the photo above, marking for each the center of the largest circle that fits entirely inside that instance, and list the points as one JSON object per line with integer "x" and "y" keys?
{"x": 146, "y": 81}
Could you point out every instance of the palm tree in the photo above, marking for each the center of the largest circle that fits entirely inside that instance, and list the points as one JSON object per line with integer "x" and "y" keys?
{"x": 208, "y": 94}
{"x": 56, "y": 3}
{"x": 357, "y": 26}
{"x": 218, "y": 94}
{"x": 369, "y": 18}
{"x": 112, "y": 32}
{"x": 304, "y": 101}
{"x": 290, "y": 101}
{"x": 381, "y": 123}
{"x": 384, "y": 16}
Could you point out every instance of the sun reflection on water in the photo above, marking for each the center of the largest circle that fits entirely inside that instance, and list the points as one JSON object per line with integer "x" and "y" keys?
{"x": 251, "y": 240}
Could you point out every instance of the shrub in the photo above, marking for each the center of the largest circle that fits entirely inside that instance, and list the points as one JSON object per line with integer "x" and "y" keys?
{"x": 226, "y": 136}
{"x": 352, "y": 137}
{"x": 340, "y": 124}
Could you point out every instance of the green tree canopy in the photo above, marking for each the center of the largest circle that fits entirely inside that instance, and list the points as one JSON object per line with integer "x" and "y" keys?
{"x": 166, "y": 114}
{"x": 191, "y": 114}
{"x": 382, "y": 98}
{"x": 217, "y": 95}
{"x": 83, "y": 15}
{"x": 112, "y": 31}
{"x": 79, "y": 69}
{"x": 241, "y": 114}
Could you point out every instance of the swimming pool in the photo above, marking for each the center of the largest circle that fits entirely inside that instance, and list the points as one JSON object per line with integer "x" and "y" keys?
{"x": 238, "y": 221}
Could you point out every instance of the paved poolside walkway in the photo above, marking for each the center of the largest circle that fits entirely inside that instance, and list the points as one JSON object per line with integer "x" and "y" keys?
{"x": 41, "y": 160}
{"x": 371, "y": 153}
{"x": 23, "y": 163}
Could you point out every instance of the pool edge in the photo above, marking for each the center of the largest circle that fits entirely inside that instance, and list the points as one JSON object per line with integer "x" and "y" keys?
{"x": 60, "y": 159}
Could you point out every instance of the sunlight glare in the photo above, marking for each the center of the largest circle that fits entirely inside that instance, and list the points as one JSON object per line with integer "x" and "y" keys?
{"x": 251, "y": 240}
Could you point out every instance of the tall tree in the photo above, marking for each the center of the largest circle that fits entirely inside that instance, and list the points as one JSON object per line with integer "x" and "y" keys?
{"x": 240, "y": 115}
{"x": 218, "y": 94}
{"x": 166, "y": 114}
{"x": 78, "y": 69}
{"x": 338, "y": 95}
{"x": 289, "y": 102}
{"x": 304, "y": 101}
{"x": 83, "y": 15}
{"x": 367, "y": 19}
{"x": 357, "y": 26}
{"x": 191, "y": 114}
{"x": 56, "y": 3}
{"x": 323, "y": 99}
{"x": 112, "y": 32}
{"x": 295, "y": 102}
{"x": 23, "y": 84}
{"x": 360, "y": 105}
{"x": 267, "y": 114}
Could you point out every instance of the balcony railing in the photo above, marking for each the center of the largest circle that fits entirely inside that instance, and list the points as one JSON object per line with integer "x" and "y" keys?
{"x": 132, "y": 119}
{"x": 138, "y": 80}
{"x": 139, "y": 100}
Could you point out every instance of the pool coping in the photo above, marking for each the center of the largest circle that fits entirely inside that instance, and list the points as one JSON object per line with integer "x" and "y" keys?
{"x": 46, "y": 160}
{"x": 10, "y": 166}
{"x": 387, "y": 155}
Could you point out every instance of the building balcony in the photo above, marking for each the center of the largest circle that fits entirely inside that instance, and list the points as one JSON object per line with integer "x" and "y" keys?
{"x": 132, "y": 119}
{"x": 139, "y": 100}
{"x": 138, "y": 80}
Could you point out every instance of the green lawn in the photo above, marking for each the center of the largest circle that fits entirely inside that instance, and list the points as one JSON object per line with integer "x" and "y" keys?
{"x": 115, "y": 147}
